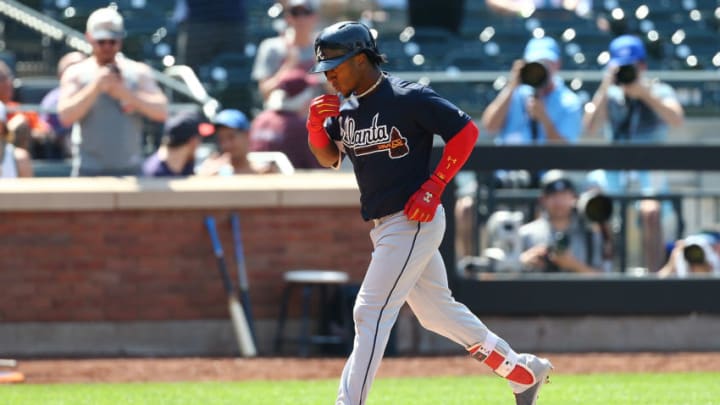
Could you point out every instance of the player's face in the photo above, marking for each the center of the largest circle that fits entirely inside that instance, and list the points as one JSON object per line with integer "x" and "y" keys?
{"x": 346, "y": 76}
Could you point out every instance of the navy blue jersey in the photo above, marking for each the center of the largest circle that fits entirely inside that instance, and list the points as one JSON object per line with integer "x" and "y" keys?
{"x": 388, "y": 136}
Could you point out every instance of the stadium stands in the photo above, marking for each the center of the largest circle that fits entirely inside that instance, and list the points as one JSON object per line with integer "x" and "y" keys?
{"x": 679, "y": 35}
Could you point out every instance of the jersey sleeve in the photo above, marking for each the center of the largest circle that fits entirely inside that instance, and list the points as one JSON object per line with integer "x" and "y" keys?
{"x": 332, "y": 127}
{"x": 438, "y": 115}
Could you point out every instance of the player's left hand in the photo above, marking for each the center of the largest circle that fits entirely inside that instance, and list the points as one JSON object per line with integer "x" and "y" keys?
{"x": 422, "y": 205}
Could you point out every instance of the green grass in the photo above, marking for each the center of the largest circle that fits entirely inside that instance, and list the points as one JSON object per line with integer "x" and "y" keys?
{"x": 597, "y": 389}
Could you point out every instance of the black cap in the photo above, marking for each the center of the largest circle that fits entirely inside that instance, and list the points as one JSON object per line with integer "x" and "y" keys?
{"x": 180, "y": 128}
{"x": 555, "y": 181}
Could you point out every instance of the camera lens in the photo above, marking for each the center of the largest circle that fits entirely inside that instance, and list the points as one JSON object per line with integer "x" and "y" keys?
{"x": 561, "y": 241}
{"x": 595, "y": 206}
{"x": 694, "y": 254}
{"x": 626, "y": 74}
{"x": 534, "y": 74}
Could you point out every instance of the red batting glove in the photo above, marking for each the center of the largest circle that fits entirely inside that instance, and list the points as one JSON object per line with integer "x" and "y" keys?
{"x": 322, "y": 107}
{"x": 422, "y": 205}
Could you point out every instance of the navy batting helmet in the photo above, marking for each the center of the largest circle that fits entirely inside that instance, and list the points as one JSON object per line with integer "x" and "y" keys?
{"x": 345, "y": 40}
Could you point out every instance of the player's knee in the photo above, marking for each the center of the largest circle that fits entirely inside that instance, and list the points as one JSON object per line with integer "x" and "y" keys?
{"x": 363, "y": 312}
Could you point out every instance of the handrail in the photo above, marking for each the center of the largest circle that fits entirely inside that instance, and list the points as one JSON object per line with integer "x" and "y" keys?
{"x": 451, "y": 76}
{"x": 76, "y": 40}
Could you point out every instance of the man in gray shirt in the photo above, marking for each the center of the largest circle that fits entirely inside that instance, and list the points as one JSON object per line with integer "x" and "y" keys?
{"x": 560, "y": 239}
{"x": 105, "y": 98}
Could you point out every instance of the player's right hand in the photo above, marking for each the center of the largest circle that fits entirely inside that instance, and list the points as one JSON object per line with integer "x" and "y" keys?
{"x": 321, "y": 108}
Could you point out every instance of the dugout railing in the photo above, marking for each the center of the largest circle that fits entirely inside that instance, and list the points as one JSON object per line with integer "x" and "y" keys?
{"x": 570, "y": 294}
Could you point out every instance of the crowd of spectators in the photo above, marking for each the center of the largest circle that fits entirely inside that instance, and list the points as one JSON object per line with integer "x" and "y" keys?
{"x": 105, "y": 100}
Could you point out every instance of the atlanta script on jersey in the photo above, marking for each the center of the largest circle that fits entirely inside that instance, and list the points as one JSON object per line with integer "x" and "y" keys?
{"x": 388, "y": 136}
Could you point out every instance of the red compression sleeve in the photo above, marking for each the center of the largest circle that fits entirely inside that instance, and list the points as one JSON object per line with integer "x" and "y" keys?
{"x": 456, "y": 152}
{"x": 318, "y": 137}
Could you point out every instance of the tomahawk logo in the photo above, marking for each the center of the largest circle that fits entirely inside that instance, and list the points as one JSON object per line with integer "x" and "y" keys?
{"x": 374, "y": 139}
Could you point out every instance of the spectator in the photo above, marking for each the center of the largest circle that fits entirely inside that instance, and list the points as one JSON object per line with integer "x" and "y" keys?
{"x": 292, "y": 49}
{"x": 14, "y": 161}
{"x": 39, "y": 131}
{"x": 176, "y": 154}
{"x": 561, "y": 239}
{"x": 697, "y": 254}
{"x": 105, "y": 97}
{"x": 535, "y": 106}
{"x": 634, "y": 109}
{"x": 231, "y": 134}
{"x": 281, "y": 126}
{"x": 18, "y": 128}
{"x": 60, "y": 146}
{"x": 208, "y": 28}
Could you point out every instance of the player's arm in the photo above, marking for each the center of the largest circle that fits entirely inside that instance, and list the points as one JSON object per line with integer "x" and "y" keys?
{"x": 325, "y": 150}
{"x": 422, "y": 205}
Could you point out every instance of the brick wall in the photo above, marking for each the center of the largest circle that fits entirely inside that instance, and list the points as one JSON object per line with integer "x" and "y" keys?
{"x": 122, "y": 265}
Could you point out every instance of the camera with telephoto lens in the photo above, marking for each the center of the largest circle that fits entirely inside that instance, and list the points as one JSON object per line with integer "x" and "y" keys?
{"x": 560, "y": 242}
{"x": 626, "y": 74}
{"x": 694, "y": 254}
{"x": 595, "y": 206}
{"x": 558, "y": 245}
{"x": 534, "y": 74}
{"x": 698, "y": 249}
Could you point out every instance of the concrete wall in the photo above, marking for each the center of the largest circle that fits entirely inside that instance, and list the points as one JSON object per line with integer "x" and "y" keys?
{"x": 122, "y": 266}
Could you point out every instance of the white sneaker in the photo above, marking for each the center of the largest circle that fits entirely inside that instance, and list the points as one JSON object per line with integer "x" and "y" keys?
{"x": 528, "y": 394}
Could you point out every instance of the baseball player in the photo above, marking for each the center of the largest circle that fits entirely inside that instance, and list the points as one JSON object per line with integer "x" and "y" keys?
{"x": 385, "y": 126}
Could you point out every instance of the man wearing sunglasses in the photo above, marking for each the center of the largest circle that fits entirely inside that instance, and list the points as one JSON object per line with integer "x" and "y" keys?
{"x": 292, "y": 49}
{"x": 105, "y": 99}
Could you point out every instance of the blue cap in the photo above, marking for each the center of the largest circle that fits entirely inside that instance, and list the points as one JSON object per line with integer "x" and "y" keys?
{"x": 626, "y": 50}
{"x": 233, "y": 119}
{"x": 544, "y": 48}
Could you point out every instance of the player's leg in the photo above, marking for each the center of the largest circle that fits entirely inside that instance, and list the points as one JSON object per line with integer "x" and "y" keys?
{"x": 436, "y": 309}
{"x": 402, "y": 250}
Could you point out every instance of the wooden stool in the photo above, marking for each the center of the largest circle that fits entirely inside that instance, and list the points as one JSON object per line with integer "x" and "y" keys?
{"x": 310, "y": 280}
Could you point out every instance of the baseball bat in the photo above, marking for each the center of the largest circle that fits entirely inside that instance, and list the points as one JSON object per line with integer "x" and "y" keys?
{"x": 242, "y": 330}
{"x": 243, "y": 284}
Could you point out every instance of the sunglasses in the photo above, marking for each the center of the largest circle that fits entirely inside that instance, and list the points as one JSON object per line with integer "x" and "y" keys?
{"x": 103, "y": 42}
{"x": 300, "y": 11}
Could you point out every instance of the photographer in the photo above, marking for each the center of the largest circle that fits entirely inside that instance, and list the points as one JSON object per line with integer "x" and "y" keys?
{"x": 562, "y": 238}
{"x": 633, "y": 109}
{"x": 535, "y": 106}
{"x": 697, "y": 254}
